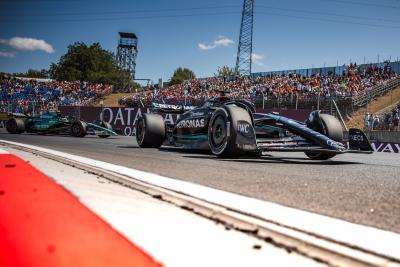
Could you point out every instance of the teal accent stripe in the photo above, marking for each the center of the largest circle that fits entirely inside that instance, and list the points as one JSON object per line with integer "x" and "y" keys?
{"x": 268, "y": 128}
{"x": 191, "y": 136}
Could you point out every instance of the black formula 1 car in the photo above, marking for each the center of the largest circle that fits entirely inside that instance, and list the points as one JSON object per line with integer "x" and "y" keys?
{"x": 52, "y": 122}
{"x": 232, "y": 128}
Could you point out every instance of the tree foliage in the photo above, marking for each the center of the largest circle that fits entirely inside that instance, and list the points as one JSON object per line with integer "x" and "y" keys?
{"x": 225, "y": 71}
{"x": 90, "y": 63}
{"x": 31, "y": 73}
{"x": 182, "y": 74}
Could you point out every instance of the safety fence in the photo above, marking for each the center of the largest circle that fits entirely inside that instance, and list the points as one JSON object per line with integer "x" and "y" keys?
{"x": 324, "y": 71}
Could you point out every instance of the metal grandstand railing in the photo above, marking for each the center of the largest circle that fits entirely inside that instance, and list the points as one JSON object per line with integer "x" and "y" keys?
{"x": 364, "y": 99}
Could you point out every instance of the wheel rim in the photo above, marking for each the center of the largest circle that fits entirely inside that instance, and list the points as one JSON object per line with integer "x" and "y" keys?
{"x": 12, "y": 126}
{"x": 76, "y": 129}
{"x": 219, "y": 133}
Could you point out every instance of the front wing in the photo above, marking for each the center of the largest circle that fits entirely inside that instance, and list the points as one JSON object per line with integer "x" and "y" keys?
{"x": 303, "y": 139}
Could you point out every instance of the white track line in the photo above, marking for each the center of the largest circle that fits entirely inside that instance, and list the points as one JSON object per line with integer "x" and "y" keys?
{"x": 371, "y": 239}
{"x": 2, "y": 151}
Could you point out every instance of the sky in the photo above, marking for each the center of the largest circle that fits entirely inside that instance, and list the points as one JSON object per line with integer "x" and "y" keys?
{"x": 201, "y": 35}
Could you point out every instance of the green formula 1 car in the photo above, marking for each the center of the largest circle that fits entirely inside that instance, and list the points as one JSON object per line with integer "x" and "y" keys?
{"x": 52, "y": 122}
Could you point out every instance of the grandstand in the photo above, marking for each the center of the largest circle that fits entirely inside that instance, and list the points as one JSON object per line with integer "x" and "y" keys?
{"x": 280, "y": 87}
{"x": 35, "y": 95}
{"x": 336, "y": 90}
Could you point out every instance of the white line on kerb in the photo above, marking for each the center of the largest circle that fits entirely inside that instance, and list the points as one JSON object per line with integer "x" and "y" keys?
{"x": 369, "y": 238}
{"x": 2, "y": 151}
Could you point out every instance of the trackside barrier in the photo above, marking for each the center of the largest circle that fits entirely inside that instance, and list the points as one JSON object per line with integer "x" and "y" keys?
{"x": 382, "y": 136}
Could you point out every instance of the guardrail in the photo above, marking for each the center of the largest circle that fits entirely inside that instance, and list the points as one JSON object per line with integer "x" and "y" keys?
{"x": 364, "y": 99}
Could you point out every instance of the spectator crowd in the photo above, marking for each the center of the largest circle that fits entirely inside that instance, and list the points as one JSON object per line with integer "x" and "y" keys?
{"x": 388, "y": 121}
{"x": 35, "y": 95}
{"x": 353, "y": 82}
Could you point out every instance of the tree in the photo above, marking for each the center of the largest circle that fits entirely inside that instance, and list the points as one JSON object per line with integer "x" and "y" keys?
{"x": 90, "y": 63}
{"x": 44, "y": 74}
{"x": 181, "y": 74}
{"x": 225, "y": 71}
{"x": 31, "y": 73}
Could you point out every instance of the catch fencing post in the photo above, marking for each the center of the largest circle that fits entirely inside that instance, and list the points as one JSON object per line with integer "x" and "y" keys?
{"x": 263, "y": 95}
{"x": 101, "y": 110}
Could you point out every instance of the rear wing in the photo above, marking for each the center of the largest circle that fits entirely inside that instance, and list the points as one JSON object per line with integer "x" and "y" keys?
{"x": 172, "y": 109}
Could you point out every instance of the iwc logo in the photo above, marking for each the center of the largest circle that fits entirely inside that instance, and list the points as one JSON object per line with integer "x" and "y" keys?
{"x": 243, "y": 128}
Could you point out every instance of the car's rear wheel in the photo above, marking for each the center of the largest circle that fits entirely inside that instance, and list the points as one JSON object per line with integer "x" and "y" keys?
{"x": 107, "y": 126}
{"x": 331, "y": 128}
{"x": 15, "y": 126}
{"x": 78, "y": 129}
{"x": 222, "y": 131}
{"x": 150, "y": 131}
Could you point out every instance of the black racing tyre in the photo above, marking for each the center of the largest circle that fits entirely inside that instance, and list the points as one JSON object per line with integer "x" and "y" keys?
{"x": 15, "y": 126}
{"x": 150, "y": 131}
{"x": 222, "y": 131}
{"x": 78, "y": 129}
{"x": 107, "y": 126}
{"x": 334, "y": 130}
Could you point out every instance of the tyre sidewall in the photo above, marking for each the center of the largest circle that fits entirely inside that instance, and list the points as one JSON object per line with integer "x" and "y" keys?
{"x": 15, "y": 126}
{"x": 153, "y": 131}
{"x": 78, "y": 129}
{"x": 333, "y": 129}
{"x": 231, "y": 114}
{"x": 219, "y": 149}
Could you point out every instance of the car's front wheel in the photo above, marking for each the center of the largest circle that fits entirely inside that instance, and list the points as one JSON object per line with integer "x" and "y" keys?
{"x": 223, "y": 128}
{"x": 78, "y": 129}
{"x": 333, "y": 129}
{"x": 107, "y": 126}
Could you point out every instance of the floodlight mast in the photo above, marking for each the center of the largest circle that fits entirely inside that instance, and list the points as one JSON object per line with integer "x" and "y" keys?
{"x": 127, "y": 52}
{"x": 245, "y": 45}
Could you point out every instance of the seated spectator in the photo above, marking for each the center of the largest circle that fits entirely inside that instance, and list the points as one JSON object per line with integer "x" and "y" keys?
{"x": 26, "y": 96}
{"x": 352, "y": 83}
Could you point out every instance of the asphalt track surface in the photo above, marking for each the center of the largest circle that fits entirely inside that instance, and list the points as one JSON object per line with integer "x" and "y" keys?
{"x": 363, "y": 189}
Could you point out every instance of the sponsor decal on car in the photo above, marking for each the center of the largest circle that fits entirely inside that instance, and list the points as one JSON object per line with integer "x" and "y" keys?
{"x": 356, "y": 137}
{"x": 197, "y": 113}
{"x": 245, "y": 138}
{"x": 243, "y": 128}
{"x": 194, "y": 123}
{"x": 173, "y": 107}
